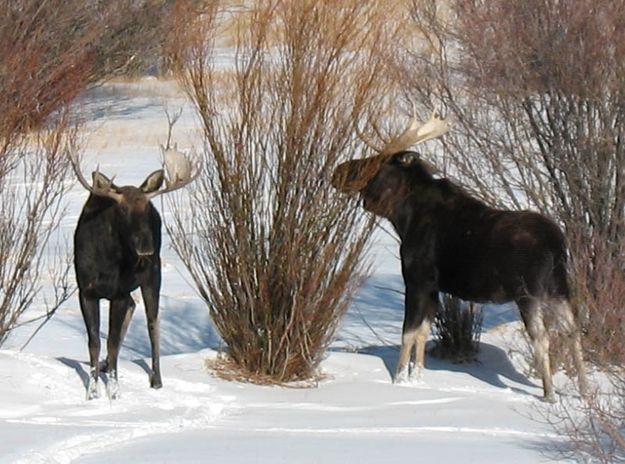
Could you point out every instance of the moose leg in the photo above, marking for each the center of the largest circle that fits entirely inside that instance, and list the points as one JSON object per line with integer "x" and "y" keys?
{"x": 531, "y": 312}
{"x": 570, "y": 330}
{"x": 420, "y": 310}
{"x": 90, "y": 308}
{"x": 130, "y": 310}
{"x": 116, "y": 321}
{"x": 151, "y": 300}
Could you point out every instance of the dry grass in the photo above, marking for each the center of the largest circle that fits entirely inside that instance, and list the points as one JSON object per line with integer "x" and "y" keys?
{"x": 224, "y": 367}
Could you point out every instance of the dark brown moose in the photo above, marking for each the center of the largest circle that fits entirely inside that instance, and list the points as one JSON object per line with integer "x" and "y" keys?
{"x": 453, "y": 243}
{"x": 116, "y": 249}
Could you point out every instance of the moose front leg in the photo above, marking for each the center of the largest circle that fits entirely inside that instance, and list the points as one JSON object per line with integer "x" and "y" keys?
{"x": 90, "y": 308}
{"x": 421, "y": 305}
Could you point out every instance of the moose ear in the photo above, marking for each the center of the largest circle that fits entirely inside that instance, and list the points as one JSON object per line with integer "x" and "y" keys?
{"x": 408, "y": 159}
{"x": 100, "y": 181}
{"x": 153, "y": 182}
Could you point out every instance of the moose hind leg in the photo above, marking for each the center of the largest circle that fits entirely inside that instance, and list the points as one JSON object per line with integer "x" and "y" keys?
{"x": 567, "y": 325}
{"x": 151, "y": 301}
{"x": 90, "y": 308}
{"x": 532, "y": 314}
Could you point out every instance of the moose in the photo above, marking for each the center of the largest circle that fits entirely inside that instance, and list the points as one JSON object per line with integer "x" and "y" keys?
{"x": 117, "y": 249}
{"x": 454, "y": 243}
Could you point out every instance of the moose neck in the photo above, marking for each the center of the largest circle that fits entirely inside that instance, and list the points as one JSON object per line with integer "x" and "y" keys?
{"x": 431, "y": 199}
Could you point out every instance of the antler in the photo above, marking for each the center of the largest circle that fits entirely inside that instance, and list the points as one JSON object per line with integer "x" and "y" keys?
{"x": 171, "y": 121}
{"x": 95, "y": 188}
{"x": 416, "y": 134}
{"x": 179, "y": 171}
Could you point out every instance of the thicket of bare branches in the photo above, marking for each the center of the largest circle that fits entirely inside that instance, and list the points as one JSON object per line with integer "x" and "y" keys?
{"x": 595, "y": 424}
{"x": 536, "y": 90}
{"x": 457, "y": 328}
{"x": 32, "y": 184}
{"x": 49, "y": 53}
{"x": 275, "y": 252}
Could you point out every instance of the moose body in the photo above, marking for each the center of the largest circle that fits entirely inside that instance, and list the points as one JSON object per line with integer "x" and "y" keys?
{"x": 454, "y": 243}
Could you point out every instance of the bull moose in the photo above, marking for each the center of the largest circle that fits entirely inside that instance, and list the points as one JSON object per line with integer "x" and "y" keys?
{"x": 454, "y": 243}
{"x": 116, "y": 249}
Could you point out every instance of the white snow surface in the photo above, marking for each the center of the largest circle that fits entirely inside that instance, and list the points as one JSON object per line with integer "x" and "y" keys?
{"x": 483, "y": 412}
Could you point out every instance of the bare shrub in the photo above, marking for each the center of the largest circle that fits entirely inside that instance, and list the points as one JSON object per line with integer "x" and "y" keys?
{"x": 595, "y": 423}
{"x": 600, "y": 298}
{"x": 457, "y": 328}
{"x": 535, "y": 88}
{"x": 49, "y": 53}
{"x": 273, "y": 250}
{"x": 32, "y": 184}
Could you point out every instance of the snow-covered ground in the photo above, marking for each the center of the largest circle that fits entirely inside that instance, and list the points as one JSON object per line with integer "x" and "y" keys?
{"x": 482, "y": 412}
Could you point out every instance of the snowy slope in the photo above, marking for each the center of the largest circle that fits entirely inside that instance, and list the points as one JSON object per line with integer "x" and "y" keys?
{"x": 473, "y": 412}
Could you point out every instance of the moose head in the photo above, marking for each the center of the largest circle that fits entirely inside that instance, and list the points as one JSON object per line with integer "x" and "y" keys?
{"x": 354, "y": 175}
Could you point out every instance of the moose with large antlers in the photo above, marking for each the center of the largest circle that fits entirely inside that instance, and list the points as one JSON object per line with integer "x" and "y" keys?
{"x": 116, "y": 249}
{"x": 454, "y": 243}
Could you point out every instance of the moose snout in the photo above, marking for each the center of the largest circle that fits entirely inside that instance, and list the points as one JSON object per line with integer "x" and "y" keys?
{"x": 345, "y": 177}
{"x": 144, "y": 246}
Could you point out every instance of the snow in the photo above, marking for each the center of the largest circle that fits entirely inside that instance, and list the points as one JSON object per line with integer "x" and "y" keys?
{"x": 480, "y": 412}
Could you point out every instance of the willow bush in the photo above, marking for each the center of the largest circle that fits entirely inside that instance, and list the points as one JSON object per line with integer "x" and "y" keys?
{"x": 274, "y": 250}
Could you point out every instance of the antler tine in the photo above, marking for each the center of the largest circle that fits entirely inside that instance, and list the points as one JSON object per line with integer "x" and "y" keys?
{"x": 73, "y": 158}
{"x": 75, "y": 166}
{"x": 366, "y": 140}
{"x": 378, "y": 132}
{"x": 171, "y": 121}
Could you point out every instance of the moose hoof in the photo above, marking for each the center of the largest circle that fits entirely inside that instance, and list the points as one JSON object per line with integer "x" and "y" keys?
{"x": 416, "y": 375}
{"x": 551, "y": 399}
{"x": 401, "y": 377}
{"x": 92, "y": 391}
{"x": 112, "y": 386}
{"x": 156, "y": 382}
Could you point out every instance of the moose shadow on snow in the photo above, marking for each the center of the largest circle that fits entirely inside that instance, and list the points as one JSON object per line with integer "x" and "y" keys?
{"x": 379, "y": 306}
{"x": 185, "y": 328}
{"x": 492, "y": 366}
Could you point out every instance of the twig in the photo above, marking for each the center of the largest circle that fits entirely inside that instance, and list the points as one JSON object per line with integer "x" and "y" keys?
{"x": 46, "y": 317}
